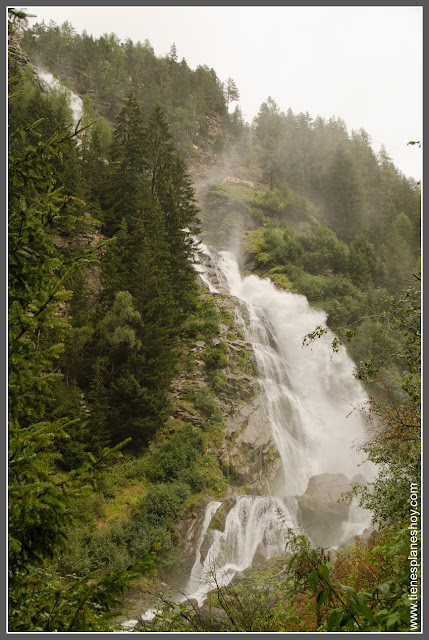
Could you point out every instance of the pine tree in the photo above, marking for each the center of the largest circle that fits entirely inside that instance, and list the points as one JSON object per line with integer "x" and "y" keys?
{"x": 176, "y": 197}
{"x": 128, "y": 191}
{"x": 158, "y": 149}
{"x": 345, "y": 196}
{"x": 269, "y": 131}
{"x": 362, "y": 262}
{"x": 172, "y": 188}
{"x": 172, "y": 55}
{"x": 117, "y": 264}
{"x": 137, "y": 339}
{"x": 230, "y": 92}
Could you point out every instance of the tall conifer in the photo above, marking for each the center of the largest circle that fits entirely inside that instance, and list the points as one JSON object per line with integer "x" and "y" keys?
{"x": 128, "y": 189}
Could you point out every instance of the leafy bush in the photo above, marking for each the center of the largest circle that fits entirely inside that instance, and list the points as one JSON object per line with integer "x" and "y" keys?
{"x": 175, "y": 456}
{"x": 313, "y": 287}
{"x": 204, "y": 323}
{"x": 218, "y": 379}
{"x": 205, "y": 401}
{"x": 375, "y": 599}
{"x": 214, "y": 478}
{"x": 163, "y": 504}
{"x": 280, "y": 279}
{"x": 216, "y": 356}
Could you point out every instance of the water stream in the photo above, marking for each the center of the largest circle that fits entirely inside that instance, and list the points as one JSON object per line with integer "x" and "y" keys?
{"x": 312, "y": 402}
{"x": 75, "y": 101}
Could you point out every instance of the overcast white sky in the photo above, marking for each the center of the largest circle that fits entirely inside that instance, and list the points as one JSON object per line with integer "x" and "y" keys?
{"x": 363, "y": 64}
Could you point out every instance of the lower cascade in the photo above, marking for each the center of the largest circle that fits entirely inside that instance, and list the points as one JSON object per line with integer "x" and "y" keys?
{"x": 252, "y": 525}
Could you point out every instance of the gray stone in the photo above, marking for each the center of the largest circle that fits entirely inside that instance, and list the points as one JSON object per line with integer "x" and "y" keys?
{"x": 323, "y": 511}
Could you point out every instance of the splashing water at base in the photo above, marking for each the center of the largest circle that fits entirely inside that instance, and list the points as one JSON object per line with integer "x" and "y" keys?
{"x": 359, "y": 520}
{"x": 197, "y": 577}
{"x": 255, "y": 525}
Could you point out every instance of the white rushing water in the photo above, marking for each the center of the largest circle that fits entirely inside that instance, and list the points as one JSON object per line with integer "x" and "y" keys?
{"x": 254, "y": 524}
{"x": 74, "y": 100}
{"x": 312, "y": 402}
{"x": 198, "y": 578}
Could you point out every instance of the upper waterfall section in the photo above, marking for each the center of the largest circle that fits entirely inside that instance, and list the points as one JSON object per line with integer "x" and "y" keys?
{"x": 313, "y": 401}
{"x": 74, "y": 100}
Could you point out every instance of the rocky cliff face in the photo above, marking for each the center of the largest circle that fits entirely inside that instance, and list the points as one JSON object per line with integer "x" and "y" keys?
{"x": 247, "y": 453}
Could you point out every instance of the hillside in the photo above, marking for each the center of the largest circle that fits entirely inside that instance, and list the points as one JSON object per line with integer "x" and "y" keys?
{"x": 139, "y": 392}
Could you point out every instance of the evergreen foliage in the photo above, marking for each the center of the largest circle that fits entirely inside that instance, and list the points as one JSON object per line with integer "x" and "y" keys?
{"x": 109, "y": 69}
{"x": 81, "y": 375}
{"x": 41, "y": 503}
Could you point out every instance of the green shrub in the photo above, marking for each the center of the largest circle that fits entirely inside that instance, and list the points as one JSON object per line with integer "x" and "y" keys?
{"x": 281, "y": 280}
{"x": 213, "y": 476}
{"x": 216, "y": 356}
{"x": 313, "y": 287}
{"x": 205, "y": 401}
{"x": 217, "y": 379}
{"x": 204, "y": 323}
{"x": 175, "y": 455}
{"x": 163, "y": 504}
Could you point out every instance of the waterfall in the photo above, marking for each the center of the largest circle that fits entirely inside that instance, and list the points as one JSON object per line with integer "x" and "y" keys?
{"x": 312, "y": 402}
{"x": 312, "y": 398}
{"x": 255, "y": 524}
{"x": 75, "y": 101}
{"x": 198, "y": 579}
{"x": 358, "y": 518}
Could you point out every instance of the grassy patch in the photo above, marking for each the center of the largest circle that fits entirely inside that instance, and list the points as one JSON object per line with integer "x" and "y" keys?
{"x": 122, "y": 505}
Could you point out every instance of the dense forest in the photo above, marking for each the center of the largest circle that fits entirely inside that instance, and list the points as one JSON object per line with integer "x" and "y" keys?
{"x": 105, "y": 309}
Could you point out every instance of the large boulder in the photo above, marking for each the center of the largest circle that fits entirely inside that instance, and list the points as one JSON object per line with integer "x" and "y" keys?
{"x": 323, "y": 509}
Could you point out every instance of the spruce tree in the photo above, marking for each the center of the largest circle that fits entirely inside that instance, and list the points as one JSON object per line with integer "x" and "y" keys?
{"x": 171, "y": 186}
{"x": 128, "y": 189}
{"x": 157, "y": 149}
{"x": 176, "y": 196}
{"x": 231, "y": 92}
{"x": 139, "y": 395}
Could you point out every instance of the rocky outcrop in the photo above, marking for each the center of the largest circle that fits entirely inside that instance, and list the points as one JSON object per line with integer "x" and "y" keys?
{"x": 324, "y": 508}
{"x": 249, "y": 452}
{"x": 17, "y": 55}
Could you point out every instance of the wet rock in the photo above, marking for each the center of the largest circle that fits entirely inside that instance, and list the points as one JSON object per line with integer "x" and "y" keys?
{"x": 207, "y": 543}
{"x": 323, "y": 511}
{"x": 358, "y": 479}
{"x": 219, "y": 518}
{"x": 365, "y": 535}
